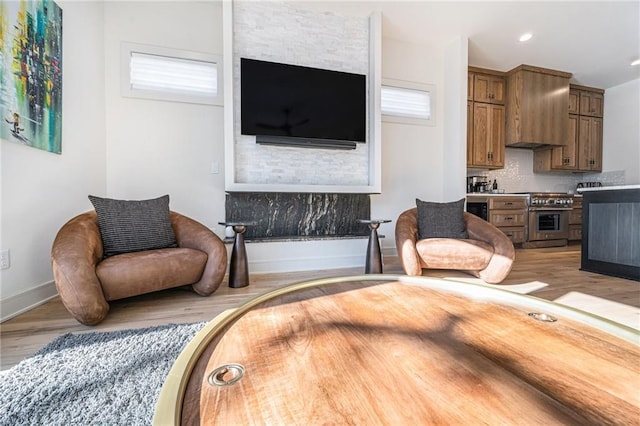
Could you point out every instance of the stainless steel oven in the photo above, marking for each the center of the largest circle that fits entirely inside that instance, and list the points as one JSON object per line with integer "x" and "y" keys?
{"x": 552, "y": 224}
{"x": 548, "y": 223}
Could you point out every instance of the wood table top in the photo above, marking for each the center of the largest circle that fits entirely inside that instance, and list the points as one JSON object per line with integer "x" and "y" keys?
{"x": 397, "y": 350}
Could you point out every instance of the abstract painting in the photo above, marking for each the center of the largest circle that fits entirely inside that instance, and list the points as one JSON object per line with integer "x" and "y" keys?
{"x": 31, "y": 73}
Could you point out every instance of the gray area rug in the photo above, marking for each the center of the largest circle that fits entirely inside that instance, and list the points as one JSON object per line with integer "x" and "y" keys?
{"x": 105, "y": 378}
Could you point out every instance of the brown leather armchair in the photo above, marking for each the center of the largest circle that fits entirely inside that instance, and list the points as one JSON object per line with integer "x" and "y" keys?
{"x": 488, "y": 253}
{"x": 86, "y": 282}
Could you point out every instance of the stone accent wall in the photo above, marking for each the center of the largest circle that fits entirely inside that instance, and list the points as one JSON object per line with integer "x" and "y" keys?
{"x": 287, "y": 33}
{"x": 299, "y": 215}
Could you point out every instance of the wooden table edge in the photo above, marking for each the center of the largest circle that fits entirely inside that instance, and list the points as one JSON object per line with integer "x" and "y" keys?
{"x": 168, "y": 408}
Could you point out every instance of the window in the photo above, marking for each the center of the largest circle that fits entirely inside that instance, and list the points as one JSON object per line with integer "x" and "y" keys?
{"x": 151, "y": 72}
{"x": 406, "y": 102}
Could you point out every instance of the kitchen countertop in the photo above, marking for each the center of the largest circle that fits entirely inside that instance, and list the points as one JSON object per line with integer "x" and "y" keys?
{"x": 608, "y": 188}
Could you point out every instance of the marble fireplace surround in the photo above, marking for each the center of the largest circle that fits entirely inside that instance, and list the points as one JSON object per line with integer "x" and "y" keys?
{"x": 289, "y": 216}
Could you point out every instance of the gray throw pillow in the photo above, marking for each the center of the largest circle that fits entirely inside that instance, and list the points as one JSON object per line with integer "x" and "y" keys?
{"x": 127, "y": 226}
{"x": 441, "y": 220}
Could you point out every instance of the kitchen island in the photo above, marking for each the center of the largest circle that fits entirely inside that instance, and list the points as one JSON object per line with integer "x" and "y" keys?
{"x": 611, "y": 231}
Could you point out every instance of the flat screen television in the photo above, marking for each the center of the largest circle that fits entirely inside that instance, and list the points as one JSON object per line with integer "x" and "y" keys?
{"x": 294, "y": 105}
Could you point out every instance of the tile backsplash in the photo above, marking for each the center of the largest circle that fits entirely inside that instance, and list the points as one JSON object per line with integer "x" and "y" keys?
{"x": 518, "y": 176}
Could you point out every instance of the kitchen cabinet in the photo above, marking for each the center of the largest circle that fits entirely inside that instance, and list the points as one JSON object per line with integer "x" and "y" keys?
{"x": 509, "y": 215}
{"x": 574, "y": 101}
{"x": 583, "y": 151}
{"x": 590, "y": 127}
{"x": 469, "y": 133}
{"x": 485, "y": 118}
{"x": 560, "y": 158}
{"x": 590, "y": 144}
{"x": 489, "y": 88}
{"x": 592, "y": 102}
{"x": 575, "y": 219}
{"x": 487, "y": 136}
{"x": 537, "y": 103}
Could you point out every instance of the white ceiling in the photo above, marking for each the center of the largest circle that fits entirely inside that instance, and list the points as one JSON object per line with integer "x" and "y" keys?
{"x": 594, "y": 40}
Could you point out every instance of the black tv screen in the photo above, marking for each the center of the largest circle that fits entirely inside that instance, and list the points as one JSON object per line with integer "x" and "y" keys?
{"x": 292, "y": 101}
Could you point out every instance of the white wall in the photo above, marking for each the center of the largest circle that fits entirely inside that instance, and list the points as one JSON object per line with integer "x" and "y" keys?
{"x": 157, "y": 147}
{"x": 412, "y": 155}
{"x": 40, "y": 190}
{"x": 622, "y": 131}
{"x": 455, "y": 121}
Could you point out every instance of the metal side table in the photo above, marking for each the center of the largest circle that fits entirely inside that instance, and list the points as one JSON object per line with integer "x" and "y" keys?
{"x": 238, "y": 266}
{"x": 373, "y": 264}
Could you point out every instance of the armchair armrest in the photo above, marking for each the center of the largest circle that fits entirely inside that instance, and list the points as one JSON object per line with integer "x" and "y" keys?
{"x": 503, "y": 251}
{"x": 76, "y": 251}
{"x": 406, "y": 237}
{"x": 193, "y": 234}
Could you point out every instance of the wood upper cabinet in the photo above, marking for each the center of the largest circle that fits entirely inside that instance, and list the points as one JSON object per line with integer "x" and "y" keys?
{"x": 590, "y": 144}
{"x": 489, "y": 89}
{"x": 574, "y": 101}
{"x": 485, "y": 118}
{"x": 487, "y": 86}
{"x": 591, "y": 103}
{"x": 537, "y": 105}
{"x": 487, "y": 147}
{"x": 566, "y": 157}
{"x": 469, "y": 133}
{"x": 561, "y": 157}
{"x": 583, "y": 152}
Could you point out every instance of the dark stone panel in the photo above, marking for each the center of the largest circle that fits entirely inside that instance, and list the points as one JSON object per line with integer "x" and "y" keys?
{"x": 610, "y": 233}
{"x": 286, "y": 214}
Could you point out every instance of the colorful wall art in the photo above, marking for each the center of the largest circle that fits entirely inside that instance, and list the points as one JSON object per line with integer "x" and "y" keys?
{"x": 31, "y": 73}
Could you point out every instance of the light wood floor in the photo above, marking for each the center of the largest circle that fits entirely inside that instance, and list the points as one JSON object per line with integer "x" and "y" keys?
{"x": 558, "y": 267}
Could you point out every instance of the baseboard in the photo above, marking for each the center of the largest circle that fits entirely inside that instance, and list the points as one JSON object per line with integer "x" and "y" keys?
{"x": 25, "y": 301}
{"x": 305, "y": 264}
{"x": 389, "y": 251}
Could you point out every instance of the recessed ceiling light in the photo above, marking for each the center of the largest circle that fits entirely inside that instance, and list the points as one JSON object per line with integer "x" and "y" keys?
{"x": 525, "y": 37}
{"x": 636, "y": 62}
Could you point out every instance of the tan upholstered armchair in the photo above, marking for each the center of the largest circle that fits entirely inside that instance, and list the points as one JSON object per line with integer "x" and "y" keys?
{"x": 87, "y": 283}
{"x": 487, "y": 254}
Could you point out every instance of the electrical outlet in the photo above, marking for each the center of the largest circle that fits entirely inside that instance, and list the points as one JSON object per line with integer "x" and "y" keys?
{"x": 215, "y": 168}
{"x": 5, "y": 260}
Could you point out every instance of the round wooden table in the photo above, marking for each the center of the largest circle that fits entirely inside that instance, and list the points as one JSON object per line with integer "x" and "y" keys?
{"x": 392, "y": 350}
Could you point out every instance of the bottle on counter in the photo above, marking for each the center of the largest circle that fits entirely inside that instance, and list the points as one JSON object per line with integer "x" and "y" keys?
{"x": 495, "y": 185}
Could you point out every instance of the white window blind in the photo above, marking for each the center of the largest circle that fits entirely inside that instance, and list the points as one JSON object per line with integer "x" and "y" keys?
{"x": 163, "y": 73}
{"x": 158, "y": 73}
{"x": 407, "y": 102}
